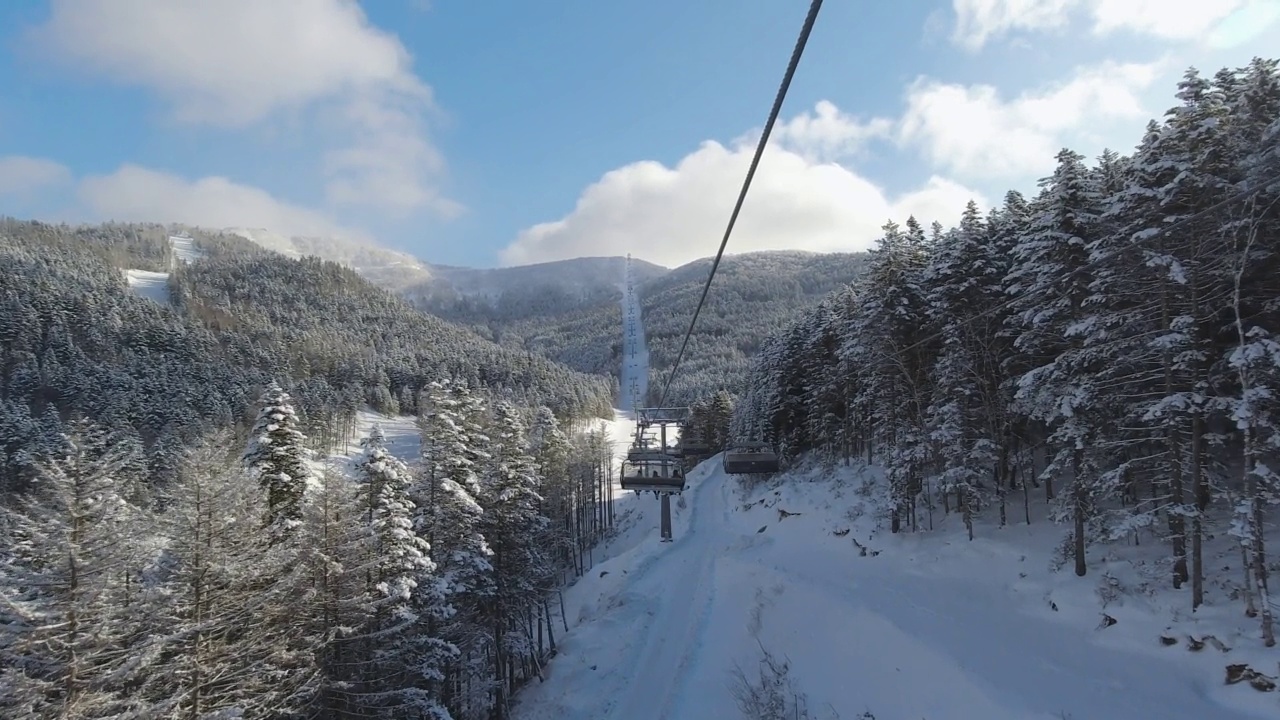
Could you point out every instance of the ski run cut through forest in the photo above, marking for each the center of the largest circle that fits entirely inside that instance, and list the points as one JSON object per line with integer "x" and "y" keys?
{"x": 1026, "y": 466}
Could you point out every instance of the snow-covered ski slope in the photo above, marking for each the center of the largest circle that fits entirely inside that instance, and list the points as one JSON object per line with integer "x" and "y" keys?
{"x": 155, "y": 285}
{"x": 184, "y": 249}
{"x": 403, "y": 438}
{"x": 920, "y": 626}
{"x": 148, "y": 284}
{"x": 634, "y": 377}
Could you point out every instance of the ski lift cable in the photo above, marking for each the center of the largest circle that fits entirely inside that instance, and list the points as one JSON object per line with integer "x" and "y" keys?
{"x": 814, "y": 6}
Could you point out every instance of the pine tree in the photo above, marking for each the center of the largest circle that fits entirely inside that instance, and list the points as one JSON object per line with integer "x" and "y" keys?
{"x": 511, "y": 523}
{"x": 408, "y": 598}
{"x": 68, "y": 635}
{"x": 276, "y": 456}
{"x": 229, "y": 603}
{"x": 1051, "y": 271}
{"x": 551, "y": 449}
{"x": 447, "y": 515}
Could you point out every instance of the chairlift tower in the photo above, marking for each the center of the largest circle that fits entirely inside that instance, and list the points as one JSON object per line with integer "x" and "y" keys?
{"x": 653, "y": 464}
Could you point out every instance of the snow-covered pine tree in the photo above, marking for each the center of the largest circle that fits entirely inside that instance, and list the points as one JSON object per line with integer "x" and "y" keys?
{"x": 406, "y": 663}
{"x": 1052, "y": 277}
{"x": 276, "y": 455}
{"x": 963, "y": 281}
{"x": 1254, "y": 352}
{"x": 228, "y": 608}
{"x": 550, "y": 449}
{"x": 521, "y": 572}
{"x": 894, "y": 329}
{"x": 447, "y": 515}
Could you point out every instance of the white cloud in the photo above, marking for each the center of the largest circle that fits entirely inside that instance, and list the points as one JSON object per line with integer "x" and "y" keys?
{"x": 234, "y": 63}
{"x": 1167, "y": 19}
{"x": 825, "y": 134}
{"x": 978, "y": 21}
{"x": 21, "y": 175}
{"x": 1245, "y": 24}
{"x": 674, "y": 215}
{"x": 230, "y": 62}
{"x": 972, "y": 131}
{"x": 134, "y": 193}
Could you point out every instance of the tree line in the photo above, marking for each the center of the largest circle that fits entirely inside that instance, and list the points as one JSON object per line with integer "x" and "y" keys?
{"x": 1109, "y": 344}
{"x": 260, "y": 583}
{"x": 75, "y": 341}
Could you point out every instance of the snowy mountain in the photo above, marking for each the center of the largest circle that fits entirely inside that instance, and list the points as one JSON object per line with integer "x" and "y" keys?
{"x": 753, "y": 295}
{"x": 94, "y": 327}
{"x": 387, "y": 268}
{"x": 566, "y": 310}
{"x": 580, "y": 276}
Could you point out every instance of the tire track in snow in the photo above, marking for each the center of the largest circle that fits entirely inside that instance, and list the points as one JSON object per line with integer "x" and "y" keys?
{"x": 673, "y": 635}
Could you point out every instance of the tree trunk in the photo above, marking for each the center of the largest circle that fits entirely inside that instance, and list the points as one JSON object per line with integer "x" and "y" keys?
{"x": 1079, "y": 507}
{"x": 1200, "y": 483}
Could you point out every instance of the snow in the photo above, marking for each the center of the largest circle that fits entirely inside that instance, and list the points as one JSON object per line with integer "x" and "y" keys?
{"x": 184, "y": 249}
{"x": 149, "y": 285}
{"x": 155, "y": 285}
{"x": 919, "y": 625}
{"x": 403, "y": 440}
{"x": 634, "y": 377}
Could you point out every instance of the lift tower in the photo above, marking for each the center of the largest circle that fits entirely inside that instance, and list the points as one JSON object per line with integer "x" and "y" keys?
{"x": 654, "y": 460}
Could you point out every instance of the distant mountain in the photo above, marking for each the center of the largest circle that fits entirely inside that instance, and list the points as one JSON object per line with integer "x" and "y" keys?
{"x": 753, "y": 295}
{"x": 463, "y": 293}
{"x": 568, "y": 310}
{"x": 390, "y": 269}
{"x": 189, "y": 352}
{"x": 583, "y": 273}
{"x": 544, "y": 290}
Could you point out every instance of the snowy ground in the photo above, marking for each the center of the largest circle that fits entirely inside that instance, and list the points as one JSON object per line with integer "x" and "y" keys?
{"x": 149, "y": 285}
{"x": 402, "y": 438}
{"x": 184, "y": 249}
{"x": 155, "y": 285}
{"x": 920, "y": 626}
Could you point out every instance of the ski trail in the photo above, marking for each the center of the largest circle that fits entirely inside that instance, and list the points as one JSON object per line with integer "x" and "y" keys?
{"x": 634, "y": 375}
{"x": 150, "y": 285}
{"x": 685, "y": 595}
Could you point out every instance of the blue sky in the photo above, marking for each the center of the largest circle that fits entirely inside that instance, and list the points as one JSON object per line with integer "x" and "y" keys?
{"x": 511, "y": 132}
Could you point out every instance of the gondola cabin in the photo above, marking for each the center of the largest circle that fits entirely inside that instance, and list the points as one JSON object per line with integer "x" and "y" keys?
{"x": 649, "y": 456}
{"x": 693, "y": 447}
{"x": 653, "y": 475}
{"x": 750, "y": 458}
{"x": 646, "y": 450}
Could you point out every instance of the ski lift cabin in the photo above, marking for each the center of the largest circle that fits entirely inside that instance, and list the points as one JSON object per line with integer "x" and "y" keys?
{"x": 749, "y": 458}
{"x": 693, "y": 447}
{"x": 658, "y": 473}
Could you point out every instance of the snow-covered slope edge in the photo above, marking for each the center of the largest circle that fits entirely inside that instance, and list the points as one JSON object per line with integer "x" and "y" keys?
{"x": 1004, "y": 613}
{"x": 155, "y": 285}
{"x": 925, "y": 625}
